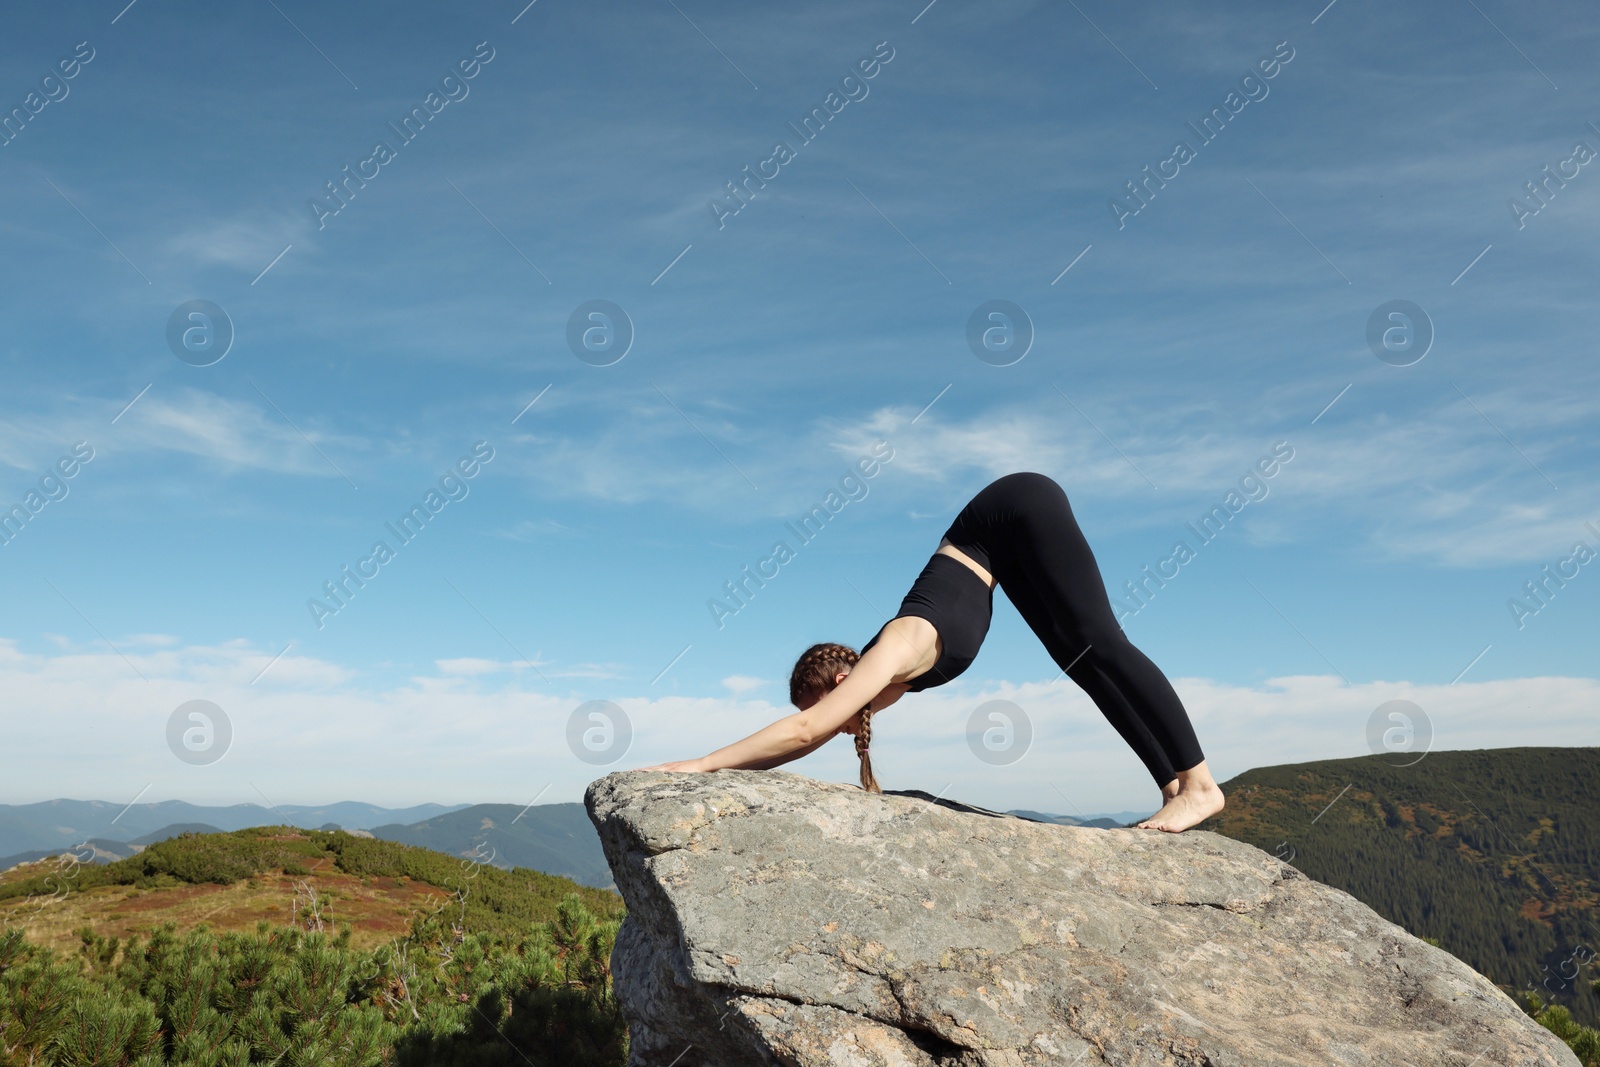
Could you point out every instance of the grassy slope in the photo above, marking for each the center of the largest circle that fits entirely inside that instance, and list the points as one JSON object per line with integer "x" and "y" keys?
{"x": 232, "y": 880}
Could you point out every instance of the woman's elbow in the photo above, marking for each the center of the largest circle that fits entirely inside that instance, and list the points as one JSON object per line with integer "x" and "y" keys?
{"x": 804, "y": 731}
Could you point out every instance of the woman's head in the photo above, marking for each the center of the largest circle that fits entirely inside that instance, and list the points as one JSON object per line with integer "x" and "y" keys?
{"x": 816, "y": 674}
{"x": 817, "y": 671}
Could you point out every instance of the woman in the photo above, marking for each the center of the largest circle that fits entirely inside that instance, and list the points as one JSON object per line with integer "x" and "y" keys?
{"x": 1019, "y": 533}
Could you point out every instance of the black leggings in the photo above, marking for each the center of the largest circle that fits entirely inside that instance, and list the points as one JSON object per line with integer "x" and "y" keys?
{"x": 1021, "y": 529}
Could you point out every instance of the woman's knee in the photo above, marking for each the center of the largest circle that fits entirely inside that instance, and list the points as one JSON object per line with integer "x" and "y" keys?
{"x": 1105, "y": 644}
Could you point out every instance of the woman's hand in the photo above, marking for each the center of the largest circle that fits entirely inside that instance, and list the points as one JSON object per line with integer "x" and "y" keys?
{"x": 677, "y": 765}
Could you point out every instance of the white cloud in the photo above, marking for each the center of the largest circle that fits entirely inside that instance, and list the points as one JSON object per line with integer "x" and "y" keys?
{"x": 311, "y": 731}
{"x": 591, "y": 670}
{"x": 739, "y": 684}
{"x": 469, "y": 667}
{"x": 138, "y": 640}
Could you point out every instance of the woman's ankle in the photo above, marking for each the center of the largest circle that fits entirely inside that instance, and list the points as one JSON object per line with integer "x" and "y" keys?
{"x": 1197, "y": 780}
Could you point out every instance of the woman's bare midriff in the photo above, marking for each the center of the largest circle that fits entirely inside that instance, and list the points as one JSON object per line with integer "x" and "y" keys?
{"x": 947, "y": 549}
{"x": 896, "y": 689}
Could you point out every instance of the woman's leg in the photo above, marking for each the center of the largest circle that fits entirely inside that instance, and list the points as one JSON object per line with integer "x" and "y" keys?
{"x": 1048, "y": 571}
{"x": 1130, "y": 691}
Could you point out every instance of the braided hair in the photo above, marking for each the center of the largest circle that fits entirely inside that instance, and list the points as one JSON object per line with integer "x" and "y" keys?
{"x": 813, "y": 678}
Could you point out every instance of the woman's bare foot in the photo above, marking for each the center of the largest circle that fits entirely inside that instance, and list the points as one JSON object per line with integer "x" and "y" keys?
{"x": 1192, "y": 798}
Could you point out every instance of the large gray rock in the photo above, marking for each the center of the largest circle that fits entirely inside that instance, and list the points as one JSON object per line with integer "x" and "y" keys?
{"x": 774, "y": 919}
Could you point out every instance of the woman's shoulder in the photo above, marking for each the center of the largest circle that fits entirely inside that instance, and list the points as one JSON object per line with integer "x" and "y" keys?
{"x": 915, "y": 643}
{"x": 905, "y": 623}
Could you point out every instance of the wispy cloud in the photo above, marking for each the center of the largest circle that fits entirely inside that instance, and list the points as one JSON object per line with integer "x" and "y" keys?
{"x": 246, "y": 243}
{"x": 1441, "y": 485}
{"x": 232, "y": 433}
{"x": 532, "y": 530}
{"x": 221, "y": 431}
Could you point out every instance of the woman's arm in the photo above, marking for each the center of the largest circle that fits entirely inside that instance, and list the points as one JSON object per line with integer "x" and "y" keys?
{"x": 886, "y": 696}
{"x": 905, "y": 645}
{"x": 806, "y": 729}
{"x": 790, "y": 757}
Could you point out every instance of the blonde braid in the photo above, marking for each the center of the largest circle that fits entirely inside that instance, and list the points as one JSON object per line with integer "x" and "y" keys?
{"x": 813, "y": 677}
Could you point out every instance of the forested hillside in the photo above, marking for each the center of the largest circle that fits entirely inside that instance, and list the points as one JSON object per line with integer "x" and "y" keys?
{"x": 1494, "y": 854}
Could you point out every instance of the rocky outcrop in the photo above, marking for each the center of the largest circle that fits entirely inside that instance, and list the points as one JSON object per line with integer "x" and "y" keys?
{"x": 774, "y": 919}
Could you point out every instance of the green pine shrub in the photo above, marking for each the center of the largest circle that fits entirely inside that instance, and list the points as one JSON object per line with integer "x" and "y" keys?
{"x": 513, "y": 970}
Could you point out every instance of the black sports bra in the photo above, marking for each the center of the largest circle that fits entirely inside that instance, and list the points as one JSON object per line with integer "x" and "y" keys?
{"x": 959, "y": 604}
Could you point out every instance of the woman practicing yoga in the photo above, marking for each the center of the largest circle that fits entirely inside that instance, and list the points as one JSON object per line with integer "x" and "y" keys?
{"x": 1019, "y": 533}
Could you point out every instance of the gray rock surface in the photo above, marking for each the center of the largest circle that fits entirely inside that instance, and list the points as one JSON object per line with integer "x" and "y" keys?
{"x": 775, "y": 919}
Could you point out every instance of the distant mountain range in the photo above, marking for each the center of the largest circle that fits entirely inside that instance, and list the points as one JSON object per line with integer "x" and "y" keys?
{"x": 557, "y": 839}
{"x": 55, "y": 824}
{"x": 1104, "y": 822}
{"x": 104, "y": 849}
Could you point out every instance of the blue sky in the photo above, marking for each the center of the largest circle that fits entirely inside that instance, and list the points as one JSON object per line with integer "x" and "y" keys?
{"x": 375, "y": 347}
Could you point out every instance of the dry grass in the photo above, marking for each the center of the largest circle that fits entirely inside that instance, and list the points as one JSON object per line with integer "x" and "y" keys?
{"x": 375, "y": 909}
